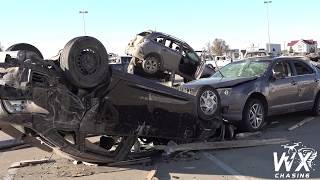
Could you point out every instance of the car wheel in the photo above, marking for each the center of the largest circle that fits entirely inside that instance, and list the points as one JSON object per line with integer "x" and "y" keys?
{"x": 254, "y": 115}
{"x": 151, "y": 65}
{"x": 316, "y": 106}
{"x": 85, "y": 62}
{"x": 25, "y": 47}
{"x": 208, "y": 103}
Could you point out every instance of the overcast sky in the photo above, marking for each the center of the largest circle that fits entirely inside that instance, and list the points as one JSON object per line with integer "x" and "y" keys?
{"x": 49, "y": 24}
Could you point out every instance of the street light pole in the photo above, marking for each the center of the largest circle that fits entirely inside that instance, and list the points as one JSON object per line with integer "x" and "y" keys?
{"x": 84, "y": 22}
{"x": 267, "y": 3}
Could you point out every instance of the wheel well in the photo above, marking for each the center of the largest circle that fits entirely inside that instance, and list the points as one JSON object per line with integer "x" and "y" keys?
{"x": 155, "y": 55}
{"x": 261, "y": 97}
{"x": 317, "y": 95}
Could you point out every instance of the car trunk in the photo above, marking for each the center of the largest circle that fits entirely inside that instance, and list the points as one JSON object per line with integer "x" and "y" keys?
{"x": 139, "y": 38}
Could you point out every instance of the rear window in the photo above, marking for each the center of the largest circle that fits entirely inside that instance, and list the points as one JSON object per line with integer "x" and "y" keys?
{"x": 302, "y": 68}
{"x": 144, "y": 34}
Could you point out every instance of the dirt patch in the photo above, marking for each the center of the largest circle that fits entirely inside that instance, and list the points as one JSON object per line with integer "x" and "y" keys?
{"x": 62, "y": 168}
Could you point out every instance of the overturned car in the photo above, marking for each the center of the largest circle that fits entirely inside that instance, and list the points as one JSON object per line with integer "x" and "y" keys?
{"x": 66, "y": 102}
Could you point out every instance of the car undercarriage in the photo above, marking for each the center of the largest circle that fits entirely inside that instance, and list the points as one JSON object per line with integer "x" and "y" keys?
{"x": 78, "y": 106}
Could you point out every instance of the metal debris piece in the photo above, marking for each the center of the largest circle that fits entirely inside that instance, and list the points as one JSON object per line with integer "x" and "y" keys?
{"x": 131, "y": 162}
{"x": 247, "y": 134}
{"x": 89, "y": 164}
{"x": 301, "y": 123}
{"x": 10, "y": 143}
{"x": 30, "y": 162}
{"x": 221, "y": 145}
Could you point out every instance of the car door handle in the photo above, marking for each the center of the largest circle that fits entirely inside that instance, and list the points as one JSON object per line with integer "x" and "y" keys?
{"x": 294, "y": 83}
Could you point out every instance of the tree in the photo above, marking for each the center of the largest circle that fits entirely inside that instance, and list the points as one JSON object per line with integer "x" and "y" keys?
{"x": 219, "y": 47}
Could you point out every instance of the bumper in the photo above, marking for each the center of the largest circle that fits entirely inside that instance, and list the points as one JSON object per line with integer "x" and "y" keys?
{"x": 135, "y": 52}
{"x": 231, "y": 115}
{"x": 232, "y": 107}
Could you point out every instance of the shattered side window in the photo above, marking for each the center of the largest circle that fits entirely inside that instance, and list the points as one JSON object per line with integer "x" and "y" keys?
{"x": 160, "y": 40}
{"x": 175, "y": 46}
{"x": 168, "y": 43}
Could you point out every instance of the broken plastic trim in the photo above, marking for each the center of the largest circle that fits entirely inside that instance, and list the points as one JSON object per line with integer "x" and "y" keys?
{"x": 23, "y": 106}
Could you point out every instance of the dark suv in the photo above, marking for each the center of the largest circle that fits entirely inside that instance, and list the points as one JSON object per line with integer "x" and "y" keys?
{"x": 156, "y": 52}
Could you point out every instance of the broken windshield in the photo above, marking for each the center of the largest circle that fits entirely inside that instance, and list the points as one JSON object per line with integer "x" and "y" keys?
{"x": 244, "y": 68}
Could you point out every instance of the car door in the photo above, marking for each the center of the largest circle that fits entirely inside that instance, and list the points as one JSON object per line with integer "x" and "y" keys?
{"x": 283, "y": 89}
{"x": 171, "y": 55}
{"x": 305, "y": 77}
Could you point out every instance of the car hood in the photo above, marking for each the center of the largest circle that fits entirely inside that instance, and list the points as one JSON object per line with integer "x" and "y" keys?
{"x": 218, "y": 82}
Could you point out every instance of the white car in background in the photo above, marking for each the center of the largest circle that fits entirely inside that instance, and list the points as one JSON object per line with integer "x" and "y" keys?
{"x": 260, "y": 53}
{"x": 218, "y": 61}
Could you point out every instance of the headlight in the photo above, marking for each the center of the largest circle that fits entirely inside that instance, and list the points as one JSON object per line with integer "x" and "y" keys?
{"x": 23, "y": 106}
{"x": 225, "y": 91}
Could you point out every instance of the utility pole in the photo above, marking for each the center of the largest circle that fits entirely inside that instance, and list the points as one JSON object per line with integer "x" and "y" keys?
{"x": 84, "y": 22}
{"x": 268, "y": 21}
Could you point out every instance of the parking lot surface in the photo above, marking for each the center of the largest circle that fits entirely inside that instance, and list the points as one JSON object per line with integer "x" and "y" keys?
{"x": 241, "y": 163}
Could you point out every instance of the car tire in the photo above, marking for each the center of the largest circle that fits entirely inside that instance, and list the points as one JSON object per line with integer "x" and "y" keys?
{"x": 208, "y": 103}
{"x": 254, "y": 115}
{"x": 25, "y": 47}
{"x": 151, "y": 64}
{"x": 85, "y": 62}
{"x": 316, "y": 107}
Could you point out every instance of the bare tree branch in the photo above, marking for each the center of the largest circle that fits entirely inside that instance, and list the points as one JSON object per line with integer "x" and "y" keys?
{"x": 219, "y": 47}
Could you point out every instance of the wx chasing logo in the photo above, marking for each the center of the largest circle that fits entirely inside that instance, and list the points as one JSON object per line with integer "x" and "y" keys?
{"x": 296, "y": 162}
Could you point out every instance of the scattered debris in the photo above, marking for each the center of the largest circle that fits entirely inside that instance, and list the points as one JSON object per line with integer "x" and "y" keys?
{"x": 89, "y": 164}
{"x": 247, "y": 134}
{"x": 220, "y": 145}
{"x": 175, "y": 177}
{"x": 301, "y": 123}
{"x": 185, "y": 156}
{"x": 30, "y": 162}
{"x": 131, "y": 162}
{"x": 75, "y": 162}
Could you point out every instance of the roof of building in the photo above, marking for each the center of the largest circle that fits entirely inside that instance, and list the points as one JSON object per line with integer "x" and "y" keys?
{"x": 306, "y": 41}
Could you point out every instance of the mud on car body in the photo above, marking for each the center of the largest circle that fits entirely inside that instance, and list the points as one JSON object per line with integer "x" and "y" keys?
{"x": 66, "y": 101}
{"x": 253, "y": 89}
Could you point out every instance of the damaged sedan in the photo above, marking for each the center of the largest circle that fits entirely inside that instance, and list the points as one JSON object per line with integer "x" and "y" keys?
{"x": 255, "y": 88}
{"x": 66, "y": 102}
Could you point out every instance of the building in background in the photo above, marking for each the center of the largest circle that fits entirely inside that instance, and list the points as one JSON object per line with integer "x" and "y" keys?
{"x": 275, "y": 49}
{"x": 302, "y": 46}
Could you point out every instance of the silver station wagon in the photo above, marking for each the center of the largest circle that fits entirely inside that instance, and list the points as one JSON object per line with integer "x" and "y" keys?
{"x": 156, "y": 52}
